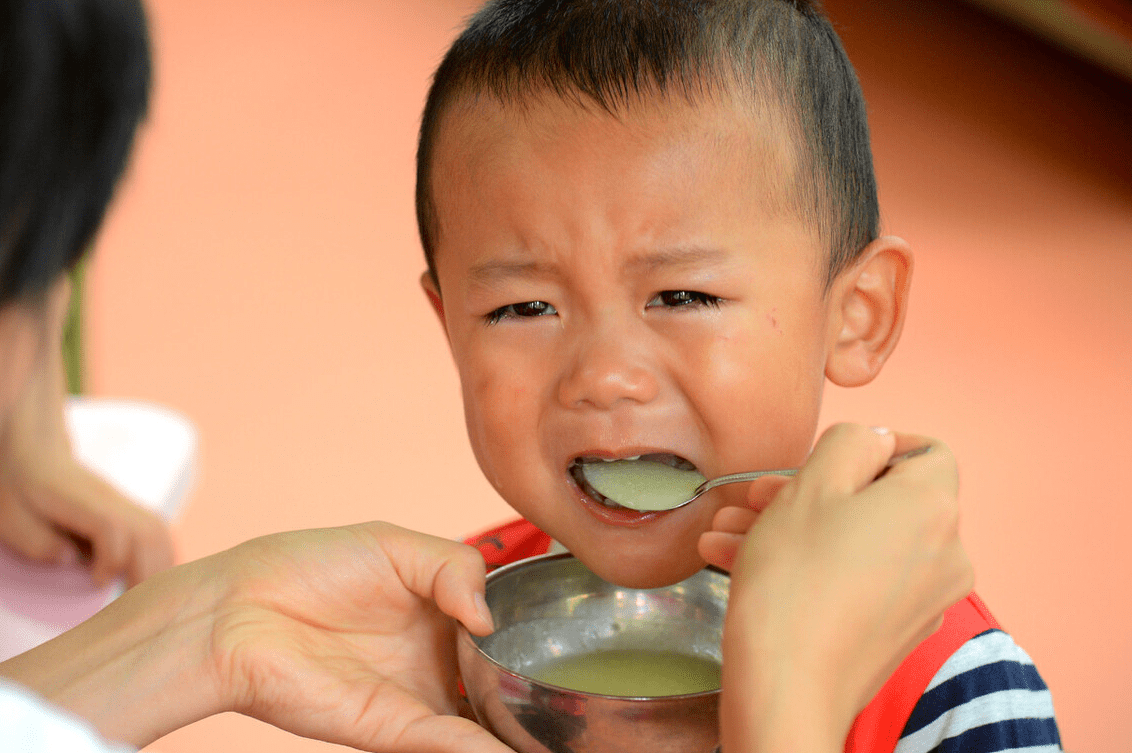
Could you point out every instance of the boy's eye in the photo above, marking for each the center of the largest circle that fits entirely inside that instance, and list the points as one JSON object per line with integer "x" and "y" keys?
{"x": 521, "y": 310}
{"x": 677, "y": 298}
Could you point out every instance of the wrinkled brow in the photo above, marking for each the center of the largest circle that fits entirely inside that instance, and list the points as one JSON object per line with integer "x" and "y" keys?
{"x": 497, "y": 270}
{"x": 680, "y": 257}
{"x": 494, "y": 271}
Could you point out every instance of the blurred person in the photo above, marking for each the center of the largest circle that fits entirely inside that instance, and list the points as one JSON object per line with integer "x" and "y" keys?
{"x": 75, "y": 86}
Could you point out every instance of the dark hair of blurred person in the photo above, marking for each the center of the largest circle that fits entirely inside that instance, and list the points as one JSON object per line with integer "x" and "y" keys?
{"x": 74, "y": 84}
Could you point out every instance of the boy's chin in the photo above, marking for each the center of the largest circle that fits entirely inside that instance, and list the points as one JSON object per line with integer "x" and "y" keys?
{"x": 637, "y": 572}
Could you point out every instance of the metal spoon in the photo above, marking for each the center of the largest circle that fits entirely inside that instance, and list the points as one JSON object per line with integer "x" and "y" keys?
{"x": 738, "y": 478}
{"x": 669, "y": 500}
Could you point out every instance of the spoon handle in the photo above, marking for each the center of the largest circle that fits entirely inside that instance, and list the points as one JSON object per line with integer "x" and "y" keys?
{"x": 737, "y": 478}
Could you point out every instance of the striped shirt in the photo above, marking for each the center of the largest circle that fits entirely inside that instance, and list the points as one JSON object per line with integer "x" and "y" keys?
{"x": 986, "y": 698}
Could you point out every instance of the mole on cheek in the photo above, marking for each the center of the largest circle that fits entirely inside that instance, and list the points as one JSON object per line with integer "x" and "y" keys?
{"x": 770, "y": 317}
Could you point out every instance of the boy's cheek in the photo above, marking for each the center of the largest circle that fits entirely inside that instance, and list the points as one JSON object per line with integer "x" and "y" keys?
{"x": 502, "y": 432}
{"x": 500, "y": 403}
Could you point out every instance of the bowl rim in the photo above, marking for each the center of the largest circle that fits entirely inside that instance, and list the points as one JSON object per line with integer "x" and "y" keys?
{"x": 534, "y": 559}
{"x": 465, "y": 636}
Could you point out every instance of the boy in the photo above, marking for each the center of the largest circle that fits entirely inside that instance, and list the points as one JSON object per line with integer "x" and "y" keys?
{"x": 341, "y": 634}
{"x": 651, "y": 230}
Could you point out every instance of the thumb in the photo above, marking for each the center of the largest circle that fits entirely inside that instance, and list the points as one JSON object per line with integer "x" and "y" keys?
{"x": 447, "y": 572}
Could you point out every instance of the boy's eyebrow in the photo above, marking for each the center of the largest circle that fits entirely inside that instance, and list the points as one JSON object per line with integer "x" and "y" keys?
{"x": 494, "y": 270}
{"x": 682, "y": 256}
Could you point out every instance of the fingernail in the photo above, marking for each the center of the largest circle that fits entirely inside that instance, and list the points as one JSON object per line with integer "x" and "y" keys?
{"x": 884, "y": 431}
{"x": 484, "y": 611}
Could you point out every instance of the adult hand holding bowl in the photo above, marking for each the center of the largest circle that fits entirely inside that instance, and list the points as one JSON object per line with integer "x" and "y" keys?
{"x": 558, "y": 624}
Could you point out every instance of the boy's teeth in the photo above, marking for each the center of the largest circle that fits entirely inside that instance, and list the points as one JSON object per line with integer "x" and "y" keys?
{"x": 665, "y": 458}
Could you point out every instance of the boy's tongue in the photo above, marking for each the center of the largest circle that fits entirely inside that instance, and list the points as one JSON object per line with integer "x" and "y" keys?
{"x": 646, "y": 484}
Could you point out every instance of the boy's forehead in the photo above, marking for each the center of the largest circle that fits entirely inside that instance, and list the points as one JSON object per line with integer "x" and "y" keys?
{"x": 479, "y": 135}
{"x": 475, "y": 122}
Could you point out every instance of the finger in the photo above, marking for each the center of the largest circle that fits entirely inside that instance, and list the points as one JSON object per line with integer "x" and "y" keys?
{"x": 733, "y": 520}
{"x": 31, "y": 536}
{"x": 152, "y": 549}
{"x": 847, "y": 457}
{"x": 927, "y": 488}
{"x": 108, "y": 539}
{"x": 719, "y": 548}
{"x": 762, "y": 491}
{"x": 459, "y": 585}
{"x": 110, "y": 554}
{"x": 449, "y": 573}
{"x": 936, "y": 466}
{"x": 126, "y": 540}
{"x": 906, "y": 442}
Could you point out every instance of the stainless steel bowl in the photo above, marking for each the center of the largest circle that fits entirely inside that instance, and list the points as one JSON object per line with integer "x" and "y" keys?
{"x": 550, "y": 607}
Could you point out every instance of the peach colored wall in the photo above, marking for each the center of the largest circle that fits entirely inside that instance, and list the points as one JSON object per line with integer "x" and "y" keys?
{"x": 259, "y": 273}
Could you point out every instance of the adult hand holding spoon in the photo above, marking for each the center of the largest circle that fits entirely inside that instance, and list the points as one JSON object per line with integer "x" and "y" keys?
{"x": 833, "y": 583}
{"x": 720, "y": 545}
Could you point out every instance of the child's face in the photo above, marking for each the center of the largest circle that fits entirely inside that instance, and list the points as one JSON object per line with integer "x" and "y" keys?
{"x": 618, "y": 286}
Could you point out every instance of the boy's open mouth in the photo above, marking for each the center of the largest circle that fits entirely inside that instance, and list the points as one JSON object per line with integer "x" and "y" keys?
{"x": 644, "y": 483}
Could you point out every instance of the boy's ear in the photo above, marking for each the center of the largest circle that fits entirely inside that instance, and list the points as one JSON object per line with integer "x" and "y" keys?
{"x": 432, "y": 292}
{"x": 869, "y": 303}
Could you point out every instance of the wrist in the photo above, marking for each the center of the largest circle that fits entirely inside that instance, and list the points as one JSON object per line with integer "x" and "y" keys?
{"x": 138, "y": 669}
{"x": 775, "y": 701}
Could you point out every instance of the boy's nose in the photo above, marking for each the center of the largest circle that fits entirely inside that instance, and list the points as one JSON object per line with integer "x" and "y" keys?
{"x": 605, "y": 370}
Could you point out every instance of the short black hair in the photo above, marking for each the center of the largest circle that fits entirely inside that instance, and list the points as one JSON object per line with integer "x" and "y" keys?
{"x": 74, "y": 84}
{"x": 610, "y": 52}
